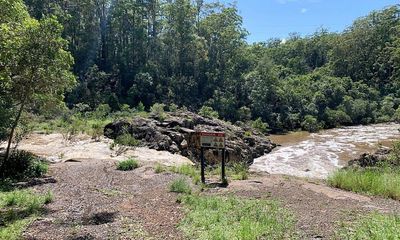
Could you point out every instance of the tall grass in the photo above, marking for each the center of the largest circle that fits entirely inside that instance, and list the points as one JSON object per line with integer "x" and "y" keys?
{"x": 374, "y": 226}
{"x": 234, "y": 218}
{"x": 180, "y": 185}
{"x": 383, "y": 181}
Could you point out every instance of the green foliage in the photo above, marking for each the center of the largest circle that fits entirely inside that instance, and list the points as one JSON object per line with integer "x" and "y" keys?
{"x": 208, "y": 112}
{"x": 235, "y": 218}
{"x": 128, "y": 165}
{"x": 372, "y": 226}
{"x": 157, "y": 111}
{"x": 319, "y": 81}
{"x": 260, "y": 125}
{"x": 23, "y": 165}
{"x": 180, "y": 185}
{"x": 127, "y": 140}
{"x": 188, "y": 170}
{"x": 383, "y": 181}
{"x": 310, "y": 124}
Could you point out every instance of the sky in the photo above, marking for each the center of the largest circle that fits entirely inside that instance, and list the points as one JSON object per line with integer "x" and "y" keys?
{"x": 265, "y": 19}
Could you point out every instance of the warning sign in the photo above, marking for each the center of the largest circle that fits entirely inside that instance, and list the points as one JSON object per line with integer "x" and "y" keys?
{"x": 212, "y": 140}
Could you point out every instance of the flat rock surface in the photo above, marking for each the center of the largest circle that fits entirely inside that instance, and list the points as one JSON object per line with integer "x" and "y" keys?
{"x": 54, "y": 148}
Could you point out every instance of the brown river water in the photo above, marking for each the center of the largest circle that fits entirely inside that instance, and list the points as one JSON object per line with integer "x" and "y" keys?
{"x": 316, "y": 155}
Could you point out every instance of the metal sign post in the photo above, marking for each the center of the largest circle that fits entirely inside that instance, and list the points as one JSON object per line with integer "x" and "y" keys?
{"x": 212, "y": 140}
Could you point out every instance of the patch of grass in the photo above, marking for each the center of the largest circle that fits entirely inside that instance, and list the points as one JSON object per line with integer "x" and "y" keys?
{"x": 180, "y": 185}
{"x": 127, "y": 140}
{"x": 18, "y": 208}
{"x": 159, "y": 168}
{"x": 234, "y": 218}
{"x": 383, "y": 181}
{"x": 374, "y": 226}
{"x": 188, "y": 170}
{"x": 128, "y": 165}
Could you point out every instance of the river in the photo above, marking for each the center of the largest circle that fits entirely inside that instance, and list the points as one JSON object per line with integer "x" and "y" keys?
{"x": 316, "y": 155}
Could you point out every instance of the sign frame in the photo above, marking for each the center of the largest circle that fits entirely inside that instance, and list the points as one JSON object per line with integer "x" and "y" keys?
{"x": 212, "y": 140}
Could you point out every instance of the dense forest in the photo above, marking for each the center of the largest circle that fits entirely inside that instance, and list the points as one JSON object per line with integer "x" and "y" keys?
{"x": 194, "y": 54}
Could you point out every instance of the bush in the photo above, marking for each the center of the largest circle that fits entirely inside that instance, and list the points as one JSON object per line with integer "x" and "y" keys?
{"x": 128, "y": 165}
{"x": 208, "y": 112}
{"x": 260, "y": 125}
{"x": 180, "y": 186}
{"x": 310, "y": 124}
{"x": 140, "y": 107}
{"x": 173, "y": 107}
{"x": 23, "y": 165}
{"x": 127, "y": 140}
{"x": 157, "y": 111}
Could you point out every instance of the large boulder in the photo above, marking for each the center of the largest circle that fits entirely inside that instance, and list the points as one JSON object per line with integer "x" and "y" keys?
{"x": 177, "y": 134}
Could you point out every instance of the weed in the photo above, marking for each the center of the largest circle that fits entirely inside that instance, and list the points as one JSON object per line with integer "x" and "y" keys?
{"x": 127, "y": 140}
{"x": 128, "y": 165}
{"x": 180, "y": 185}
{"x": 159, "y": 168}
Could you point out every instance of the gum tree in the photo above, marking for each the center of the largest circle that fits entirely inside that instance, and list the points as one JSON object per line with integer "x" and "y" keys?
{"x": 34, "y": 63}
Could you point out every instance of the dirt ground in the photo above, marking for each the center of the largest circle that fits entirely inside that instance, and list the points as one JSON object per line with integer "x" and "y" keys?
{"x": 92, "y": 200}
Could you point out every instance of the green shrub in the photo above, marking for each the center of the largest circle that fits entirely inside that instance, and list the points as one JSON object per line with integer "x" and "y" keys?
{"x": 22, "y": 165}
{"x": 180, "y": 186}
{"x": 140, "y": 107}
{"x": 240, "y": 171}
{"x": 102, "y": 111}
{"x": 127, "y": 140}
{"x": 260, "y": 125}
{"x": 208, "y": 112}
{"x": 235, "y": 218}
{"x": 310, "y": 124}
{"x": 157, "y": 111}
{"x": 173, "y": 107}
{"x": 128, "y": 165}
{"x": 373, "y": 226}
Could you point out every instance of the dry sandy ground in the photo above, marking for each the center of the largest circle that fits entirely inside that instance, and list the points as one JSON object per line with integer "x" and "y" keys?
{"x": 92, "y": 200}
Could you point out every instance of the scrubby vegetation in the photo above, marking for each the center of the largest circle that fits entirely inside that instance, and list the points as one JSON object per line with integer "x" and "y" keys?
{"x": 211, "y": 217}
{"x": 373, "y": 226}
{"x": 22, "y": 165}
{"x": 128, "y": 165}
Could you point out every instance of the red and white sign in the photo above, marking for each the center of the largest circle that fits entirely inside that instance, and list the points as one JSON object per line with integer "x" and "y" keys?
{"x": 212, "y": 140}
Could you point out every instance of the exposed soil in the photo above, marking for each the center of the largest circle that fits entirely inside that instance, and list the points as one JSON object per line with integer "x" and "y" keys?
{"x": 95, "y": 201}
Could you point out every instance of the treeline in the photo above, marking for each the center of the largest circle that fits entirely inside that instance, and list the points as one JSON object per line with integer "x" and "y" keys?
{"x": 194, "y": 54}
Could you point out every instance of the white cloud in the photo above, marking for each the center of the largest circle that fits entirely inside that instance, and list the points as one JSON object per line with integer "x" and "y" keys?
{"x": 304, "y": 10}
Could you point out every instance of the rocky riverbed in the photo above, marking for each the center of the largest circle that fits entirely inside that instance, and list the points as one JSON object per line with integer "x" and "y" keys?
{"x": 177, "y": 134}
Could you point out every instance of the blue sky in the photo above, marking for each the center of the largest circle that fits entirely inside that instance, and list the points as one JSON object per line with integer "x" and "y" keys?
{"x": 266, "y": 19}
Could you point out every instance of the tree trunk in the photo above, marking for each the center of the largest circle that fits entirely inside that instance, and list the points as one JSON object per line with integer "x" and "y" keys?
{"x": 13, "y": 130}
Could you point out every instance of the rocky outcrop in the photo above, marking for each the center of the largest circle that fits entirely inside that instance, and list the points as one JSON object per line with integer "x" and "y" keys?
{"x": 177, "y": 134}
{"x": 371, "y": 160}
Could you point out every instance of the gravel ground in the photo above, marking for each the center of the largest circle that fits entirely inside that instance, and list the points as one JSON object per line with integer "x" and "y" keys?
{"x": 92, "y": 200}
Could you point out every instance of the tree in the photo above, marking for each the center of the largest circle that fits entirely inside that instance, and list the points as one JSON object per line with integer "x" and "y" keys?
{"x": 40, "y": 66}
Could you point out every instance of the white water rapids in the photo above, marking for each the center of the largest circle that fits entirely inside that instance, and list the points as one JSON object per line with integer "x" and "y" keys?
{"x": 319, "y": 154}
